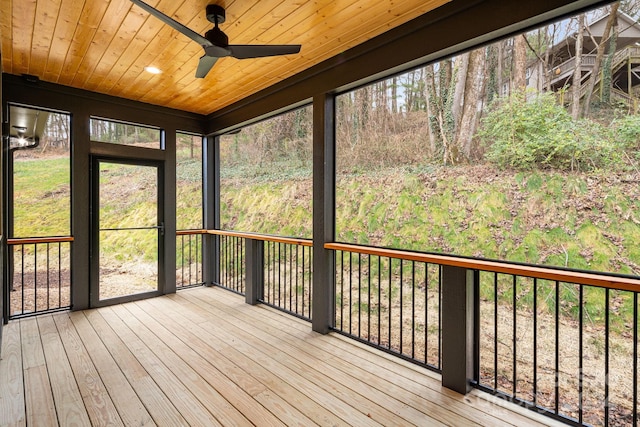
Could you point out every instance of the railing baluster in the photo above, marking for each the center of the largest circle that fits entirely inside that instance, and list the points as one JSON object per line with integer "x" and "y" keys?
{"x": 635, "y": 360}
{"x": 606, "y": 357}
{"x": 401, "y": 306}
{"x": 413, "y": 309}
{"x": 580, "y": 354}
{"x": 390, "y": 304}
{"x": 426, "y": 313}
{"x": 350, "y": 292}
{"x": 190, "y": 261}
{"x": 495, "y": 331}
{"x": 35, "y": 278}
{"x": 515, "y": 336}
{"x": 359, "y": 294}
{"x": 342, "y": 299}
{"x": 369, "y": 298}
{"x": 379, "y": 297}
{"x": 557, "y": 346}
{"x": 535, "y": 341}
{"x": 48, "y": 281}
{"x": 59, "y": 274}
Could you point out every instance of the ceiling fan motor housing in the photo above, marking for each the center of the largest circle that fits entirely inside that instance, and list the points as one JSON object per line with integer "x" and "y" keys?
{"x": 217, "y": 37}
{"x": 216, "y": 14}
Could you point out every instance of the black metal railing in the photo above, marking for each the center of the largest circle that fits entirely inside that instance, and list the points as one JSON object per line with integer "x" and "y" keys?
{"x": 561, "y": 342}
{"x": 288, "y": 275}
{"x": 390, "y": 303}
{"x": 232, "y": 259}
{"x": 189, "y": 258}
{"x": 278, "y": 270}
{"x": 564, "y": 349}
{"x": 39, "y": 271}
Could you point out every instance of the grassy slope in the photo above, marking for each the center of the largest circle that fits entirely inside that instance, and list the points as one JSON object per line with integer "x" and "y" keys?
{"x": 582, "y": 221}
{"x": 578, "y": 220}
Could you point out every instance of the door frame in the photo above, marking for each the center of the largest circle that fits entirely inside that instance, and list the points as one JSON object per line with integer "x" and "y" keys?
{"x": 94, "y": 223}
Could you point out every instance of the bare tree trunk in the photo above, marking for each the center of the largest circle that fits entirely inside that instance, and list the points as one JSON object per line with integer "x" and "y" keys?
{"x": 577, "y": 72}
{"x": 546, "y": 65}
{"x": 595, "y": 72}
{"x": 470, "y": 111}
{"x": 428, "y": 91}
{"x": 394, "y": 95}
{"x": 460, "y": 72}
{"x": 519, "y": 80}
{"x": 608, "y": 63}
{"x": 499, "y": 71}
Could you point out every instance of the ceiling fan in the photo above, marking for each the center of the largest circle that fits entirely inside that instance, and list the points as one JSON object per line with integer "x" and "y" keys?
{"x": 215, "y": 42}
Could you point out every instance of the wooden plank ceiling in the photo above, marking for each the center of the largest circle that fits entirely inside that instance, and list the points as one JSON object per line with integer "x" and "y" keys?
{"x": 103, "y": 45}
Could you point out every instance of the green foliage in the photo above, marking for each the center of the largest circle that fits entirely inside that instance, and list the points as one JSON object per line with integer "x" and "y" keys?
{"x": 537, "y": 133}
{"x": 627, "y": 131}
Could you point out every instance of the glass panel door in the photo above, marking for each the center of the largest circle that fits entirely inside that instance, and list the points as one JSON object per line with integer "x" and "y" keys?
{"x": 127, "y": 230}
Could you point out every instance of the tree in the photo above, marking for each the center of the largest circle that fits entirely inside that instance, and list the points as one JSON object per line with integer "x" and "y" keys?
{"x": 604, "y": 43}
{"x": 577, "y": 73}
{"x": 475, "y": 86}
{"x": 519, "y": 77}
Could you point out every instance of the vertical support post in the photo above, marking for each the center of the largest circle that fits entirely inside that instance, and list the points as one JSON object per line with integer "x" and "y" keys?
{"x": 80, "y": 210}
{"x": 324, "y": 172}
{"x": 167, "y": 277}
{"x": 458, "y": 328}
{"x": 254, "y": 265}
{"x": 211, "y": 203}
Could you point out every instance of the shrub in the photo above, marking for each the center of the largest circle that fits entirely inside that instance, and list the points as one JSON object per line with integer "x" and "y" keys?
{"x": 539, "y": 133}
{"x": 627, "y": 132}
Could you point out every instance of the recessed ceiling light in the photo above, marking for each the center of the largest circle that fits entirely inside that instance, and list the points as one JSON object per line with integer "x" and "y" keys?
{"x": 152, "y": 70}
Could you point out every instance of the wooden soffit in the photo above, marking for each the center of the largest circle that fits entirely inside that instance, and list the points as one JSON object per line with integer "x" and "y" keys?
{"x": 104, "y": 46}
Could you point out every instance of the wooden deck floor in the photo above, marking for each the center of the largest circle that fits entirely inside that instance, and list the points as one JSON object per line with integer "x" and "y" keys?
{"x": 204, "y": 358}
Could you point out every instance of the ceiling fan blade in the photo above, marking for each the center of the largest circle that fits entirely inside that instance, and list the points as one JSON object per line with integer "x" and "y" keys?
{"x": 174, "y": 24}
{"x": 204, "y": 65}
{"x": 243, "y": 51}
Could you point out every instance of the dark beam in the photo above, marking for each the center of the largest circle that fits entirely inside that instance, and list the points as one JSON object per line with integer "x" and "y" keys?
{"x": 64, "y": 98}
{"x": 454, "y": 27}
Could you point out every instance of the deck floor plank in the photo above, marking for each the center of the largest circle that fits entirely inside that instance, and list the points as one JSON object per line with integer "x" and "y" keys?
{"x": 193, "y": 411}
{"x": 306, "y": 348}
{"x": 12, "y": 405}
{"x": 276, "y": 381}
{"x": 40, "y": 406}
{"x": 157, "y": 403}
{"x": 204, "y": 357}
{"x": 241, "y": 399}
{"x": 406, "y": 383}
{"x": 131, "y": 409}
{"x": 66, "y": 394}
{"x": 100, "y": 407}
{"x": 382, "y": 409}
{"x": 225, "y": 412}
{"x": 353, "y": 356}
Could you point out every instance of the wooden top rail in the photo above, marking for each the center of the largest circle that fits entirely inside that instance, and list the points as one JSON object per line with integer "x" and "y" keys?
{"x": 592, "y": 279}
{"x": 34, "y": 240}
{"x": 190, "y": 232}
{"x": 263, "y": 237}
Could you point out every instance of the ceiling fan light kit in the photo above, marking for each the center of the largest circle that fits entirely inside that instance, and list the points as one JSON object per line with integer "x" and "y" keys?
{"x": 215, "y": 42}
